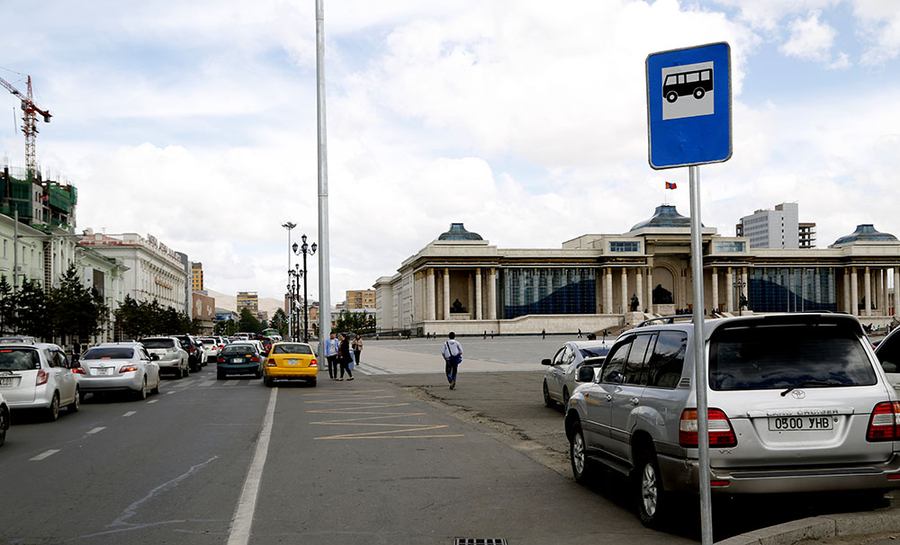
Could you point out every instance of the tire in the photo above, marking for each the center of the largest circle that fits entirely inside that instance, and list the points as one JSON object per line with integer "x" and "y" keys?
{"x": 81, "y": 395}
{"x": 4, "y": 424}
{"x": 220, "y": 375}
{"x": 699, "y": 93}
{"x": 155, "y": 391}
{"x": 268, "y": 382}
{"x": 312, "y": 382}
{"x": 671, "y": 96}
{"x": 258, "y": 374}
{"x": 76, "y": 403}
{"x": 548, "y": 401}
{"x": 582, "y": 467}
{"x": 142, "y": 393}
{"x": 653, "y": 501}
{"x": 186, "y": 371}
{"x": 565, "y": 401}
{"x": 52, "y": 413}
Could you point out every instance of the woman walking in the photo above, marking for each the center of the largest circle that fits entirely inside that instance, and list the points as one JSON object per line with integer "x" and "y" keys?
{"x": 356, "y": 345}
{"x": 344, "y": 357}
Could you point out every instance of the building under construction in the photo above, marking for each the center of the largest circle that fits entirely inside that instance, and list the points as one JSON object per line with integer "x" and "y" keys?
{"x": 39, "y": 202}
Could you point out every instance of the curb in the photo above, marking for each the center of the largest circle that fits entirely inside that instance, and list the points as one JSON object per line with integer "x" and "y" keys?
{"x": 841, "y": 525}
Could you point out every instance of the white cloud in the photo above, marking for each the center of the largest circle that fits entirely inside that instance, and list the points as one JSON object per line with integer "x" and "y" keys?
{"x": 880, "y": 25}
{"x": 812, "y": 40}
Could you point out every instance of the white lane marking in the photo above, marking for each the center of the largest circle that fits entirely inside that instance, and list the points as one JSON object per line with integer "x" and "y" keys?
{"x": 49, "y": 453}
{"x": 129, "y": 413}
{"x": 241, "y": 523}
{"x": 170, "y": 393}
{"x": 230, "y": 383}
{"x": 152, "y": 401}
{"x": 96, "y": 430}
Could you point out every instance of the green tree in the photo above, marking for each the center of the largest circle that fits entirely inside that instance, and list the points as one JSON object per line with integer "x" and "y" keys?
{"x": 355, "y": 321}
{"x": 249, "y": 322}
{"x": 75, "y": 309}
{"x": 7, "y": 307}
{"x": 31, "y": 311}
{"x": 281, "y": 322}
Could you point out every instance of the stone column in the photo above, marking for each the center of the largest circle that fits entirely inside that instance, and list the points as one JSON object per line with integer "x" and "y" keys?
{"x": 478, "y": 294}
{"x": 729, "y": 291}
{"x": 746, "y": 289}
{"x": 639, "y": 281}
{"x": 885, "y": 308}
{"x": 471, "y": 308}
{"x": 868, "y": 293}
{"x": 429, "y": 295}
{"x": 625, "y": 301}
{"x": 847, "y": 307}
{"x": 854, "y": 292}
{"x": 608, "y": 291}
{"x": 715, "y": 289}
{"x": 896, "y": 291}
{"x": 492, "y": 295}
{"x": 446, "y": 294}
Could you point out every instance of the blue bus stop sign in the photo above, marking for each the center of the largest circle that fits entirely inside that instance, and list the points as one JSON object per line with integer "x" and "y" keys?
{"x": 689, "y": 106}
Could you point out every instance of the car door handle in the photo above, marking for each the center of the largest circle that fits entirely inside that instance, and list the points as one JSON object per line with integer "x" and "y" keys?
{"x": 635, "y": 401}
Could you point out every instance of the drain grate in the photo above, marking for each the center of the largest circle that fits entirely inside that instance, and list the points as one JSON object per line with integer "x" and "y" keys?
{"x": 480, "y": 541}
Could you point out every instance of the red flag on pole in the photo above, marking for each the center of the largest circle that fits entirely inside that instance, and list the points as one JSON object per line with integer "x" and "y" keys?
{"x": 671, "y": 185}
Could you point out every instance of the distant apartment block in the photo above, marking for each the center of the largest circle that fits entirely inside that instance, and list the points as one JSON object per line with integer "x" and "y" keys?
{"x": 357, "y": 299}
{"x": 197, "y": 276}
{"x": 778, "y": 228}
{"x": 248, "y": 300}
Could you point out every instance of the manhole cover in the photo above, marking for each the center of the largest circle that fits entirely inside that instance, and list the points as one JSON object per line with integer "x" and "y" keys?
{"x": 480, "y": 541}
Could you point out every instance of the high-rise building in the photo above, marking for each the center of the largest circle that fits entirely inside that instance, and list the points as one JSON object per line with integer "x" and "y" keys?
{"x": 807, "y": 235}
{"x": 360, "y": 299}
{"x": 248, "y": 300}
{"x": 779, "y": 228}
{"x": 197, "y": 276}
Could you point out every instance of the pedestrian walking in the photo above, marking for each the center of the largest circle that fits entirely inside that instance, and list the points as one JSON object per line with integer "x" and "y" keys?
{"x": 345, "y": 357}
{"x": 579, "y": 332}
{"x": 76, "y": 350}
{"x": 357, "y": 346}
{"x": 331, "y": 353}
{"x": 452, "y": 353}
{"x": 543, "y": 333}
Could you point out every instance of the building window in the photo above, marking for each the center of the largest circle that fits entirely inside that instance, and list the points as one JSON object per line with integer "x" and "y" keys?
{"x": 624, "y": 246}
{"x": 547, "y": 291}
{"x": 728, "y": 246}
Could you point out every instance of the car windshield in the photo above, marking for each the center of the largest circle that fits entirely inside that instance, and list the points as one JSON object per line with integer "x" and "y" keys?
{"x": 291, "y": 349}
{"x": 594, "y": 351}
{"x": 779, "y": 357}
{"x": 158, "y": 343}
{"x": 109, "y": 353}
{"x": 19, "y": 359}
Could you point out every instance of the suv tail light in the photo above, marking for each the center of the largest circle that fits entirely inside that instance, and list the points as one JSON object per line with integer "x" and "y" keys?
{"x": 721, "y": 434}
{"x": 883, "y": 425}
{"x": 128, "y": 368}
{"x": 42, "y": 377}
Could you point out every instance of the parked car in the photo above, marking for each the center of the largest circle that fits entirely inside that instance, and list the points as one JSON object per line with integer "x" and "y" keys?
{"x": 561, "y": 377}
{"x": 797, "y": 403}
{"x": 239, "y": 358}
{"x": 291, "y": 361}
{"x": 888, "y": 352}
{"x": 38, "y": 376}
{"x": 194, "y": 349}
{"x": 123, "y": 366}
{"x": 4, "y": 419}
{"x": 210, "y": 348}
{"x": 173, "y": 358}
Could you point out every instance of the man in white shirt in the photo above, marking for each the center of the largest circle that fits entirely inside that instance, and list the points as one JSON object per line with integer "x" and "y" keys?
{"x": 452, "y": 353}
{"x": 331, "y": 352}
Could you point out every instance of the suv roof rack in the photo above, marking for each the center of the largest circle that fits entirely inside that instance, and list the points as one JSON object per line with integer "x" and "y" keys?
{"x": 666, "y": 320}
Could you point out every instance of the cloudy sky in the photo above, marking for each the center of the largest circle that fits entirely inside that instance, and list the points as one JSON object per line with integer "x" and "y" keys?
{"x": 195, "y": 121}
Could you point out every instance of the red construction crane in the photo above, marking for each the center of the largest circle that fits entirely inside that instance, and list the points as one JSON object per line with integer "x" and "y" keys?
{"x": 30, "y": 125}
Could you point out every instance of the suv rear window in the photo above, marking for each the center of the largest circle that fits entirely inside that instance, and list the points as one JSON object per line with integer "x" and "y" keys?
{"x": 112, "y": 353}
{"x": 291, "y": 349}
{"x": 781, "y": 356}
{"x": 158, "y": 343}
{"x": 19, "y": 359}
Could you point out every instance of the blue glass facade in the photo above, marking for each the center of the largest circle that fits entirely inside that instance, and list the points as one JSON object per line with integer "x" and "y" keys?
{"x": 547, "y": 291}
{"x": 780, "y": 289}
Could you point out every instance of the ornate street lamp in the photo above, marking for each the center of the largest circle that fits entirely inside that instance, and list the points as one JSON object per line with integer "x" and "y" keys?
{"x": 289, "y": 311}
{"x": 304, "y": 250}
{"x": 742, "y": 300}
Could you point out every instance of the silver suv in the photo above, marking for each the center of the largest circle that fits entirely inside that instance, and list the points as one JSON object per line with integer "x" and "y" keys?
{"x": 797, "y": 403}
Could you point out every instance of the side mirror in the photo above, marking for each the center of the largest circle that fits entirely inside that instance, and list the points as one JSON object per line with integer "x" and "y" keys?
{"x": 585, "y": 374}
{"x": 546, "y": 361}
{"x": 154, "y": 357}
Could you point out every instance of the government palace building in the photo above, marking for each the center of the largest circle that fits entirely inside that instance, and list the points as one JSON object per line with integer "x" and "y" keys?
{"x": 461, "y": 283}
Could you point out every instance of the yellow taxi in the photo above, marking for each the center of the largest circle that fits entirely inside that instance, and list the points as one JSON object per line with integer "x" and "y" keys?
{"x": 291, "y": 360}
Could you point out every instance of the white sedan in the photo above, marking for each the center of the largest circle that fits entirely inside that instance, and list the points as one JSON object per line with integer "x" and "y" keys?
{"x": 561, "y": 376}
{"x": 37, "y": 376}
{"x": 125, "y": 366}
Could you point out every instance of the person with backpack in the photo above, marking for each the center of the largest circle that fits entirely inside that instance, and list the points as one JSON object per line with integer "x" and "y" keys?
{"x": 452, "y": 353}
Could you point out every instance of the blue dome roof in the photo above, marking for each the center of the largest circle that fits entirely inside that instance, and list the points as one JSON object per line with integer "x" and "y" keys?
{"x": 665, "y": 216}
{"x": 865, "y": 233}
{"x": 458, "y": 232}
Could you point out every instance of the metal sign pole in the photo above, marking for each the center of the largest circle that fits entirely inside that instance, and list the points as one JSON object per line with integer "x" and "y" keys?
{"x": 324, "y": 237}
{"x": 700, "y": 359}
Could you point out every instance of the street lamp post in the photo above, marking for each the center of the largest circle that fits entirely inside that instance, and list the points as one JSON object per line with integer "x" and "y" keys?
{"x": 304, "y": 250}
{"x": 742, "y": 300}
{"x": 289, "y": 311}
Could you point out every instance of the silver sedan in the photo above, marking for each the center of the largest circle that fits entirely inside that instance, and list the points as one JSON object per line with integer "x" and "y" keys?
{"x": 561, "y": 377}
{"x": 126, "y": 366}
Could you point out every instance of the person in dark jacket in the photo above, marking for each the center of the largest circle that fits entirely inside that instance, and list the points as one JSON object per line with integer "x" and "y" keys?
{"x": 344, "y": 357}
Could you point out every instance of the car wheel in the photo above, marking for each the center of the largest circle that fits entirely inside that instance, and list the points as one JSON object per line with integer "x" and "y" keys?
{"x": 671, "y": 96}
{"x": 312, "y": 382}
{"x": 4, "y": 424}
{"x": 258, "y": 374}
{"x": 653, "y": 505}
{"x": 268, "y": 381}
{"x": 76, "y": 403}
{"x": 582, "y": 467}
{"x": 548, "y": 401}
{"x": 81, "y": 395}
{"x": 565, "y": 401}
{"x": 52, "y": 412}
{"x": 155, "y": 391}
{"x": 220, "y": 375}
{"x": 699, "y": 92}
{"x": 186, "y": 371}
{"x": 142, "y": 393}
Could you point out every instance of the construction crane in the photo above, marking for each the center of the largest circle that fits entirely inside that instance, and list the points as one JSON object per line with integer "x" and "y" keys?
{"x": 30, "y": 123}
